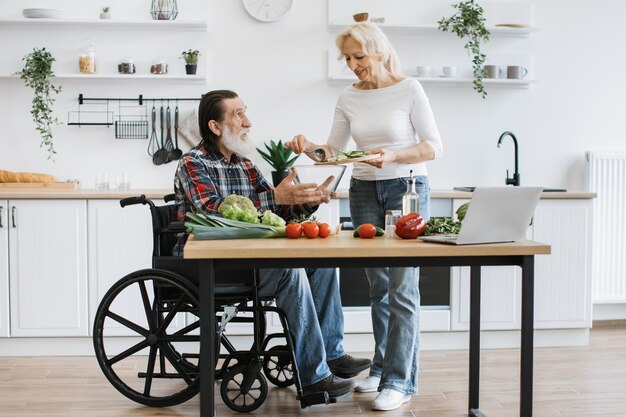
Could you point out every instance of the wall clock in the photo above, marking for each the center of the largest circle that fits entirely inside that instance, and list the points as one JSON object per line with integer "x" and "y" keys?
{"x": 267, "y": 10}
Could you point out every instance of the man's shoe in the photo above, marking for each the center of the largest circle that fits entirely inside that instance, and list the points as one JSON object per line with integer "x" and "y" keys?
{"x": 347, "y": 366}
{"x": 390, "y": 399}
{"x": 332, "y": 384}
{"x": 369, "y": 384}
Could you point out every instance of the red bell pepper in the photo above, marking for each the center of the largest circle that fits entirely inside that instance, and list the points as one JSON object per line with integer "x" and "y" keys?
{"x": 410, "y": 226}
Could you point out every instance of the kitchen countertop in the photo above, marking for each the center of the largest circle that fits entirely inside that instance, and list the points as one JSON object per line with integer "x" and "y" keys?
{"x": 91, "y": 194}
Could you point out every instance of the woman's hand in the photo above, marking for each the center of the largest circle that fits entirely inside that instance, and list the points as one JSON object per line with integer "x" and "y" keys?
{"x": 299, "y": 144}
{"x": 386, "y": 156}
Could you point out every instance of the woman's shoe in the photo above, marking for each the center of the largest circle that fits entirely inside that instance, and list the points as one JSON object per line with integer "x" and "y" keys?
{"x": 369, "y": 384}
{"x": 390, "y": 399}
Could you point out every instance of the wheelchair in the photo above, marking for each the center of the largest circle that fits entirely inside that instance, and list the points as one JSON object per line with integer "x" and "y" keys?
{"x": 159, "y": 366}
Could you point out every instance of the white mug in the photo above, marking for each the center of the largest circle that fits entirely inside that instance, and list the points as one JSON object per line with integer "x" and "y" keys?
{"x": 448, "y": 71}
{"x": 422, "y": 70}
{"x": 491, "y": 71}
{"x": 516, "y": 72}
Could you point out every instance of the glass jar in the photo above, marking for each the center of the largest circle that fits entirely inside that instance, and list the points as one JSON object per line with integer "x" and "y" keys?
{"x": 87, "y": 59}
{"x": 126, "y": 65}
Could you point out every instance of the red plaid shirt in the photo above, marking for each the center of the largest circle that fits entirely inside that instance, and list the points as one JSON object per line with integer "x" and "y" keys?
{"x": 204, "y": 178}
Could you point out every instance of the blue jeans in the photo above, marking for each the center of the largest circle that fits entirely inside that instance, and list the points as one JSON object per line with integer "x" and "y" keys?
{"x": 314, "y": 313}
{"x": 394, "y": 292}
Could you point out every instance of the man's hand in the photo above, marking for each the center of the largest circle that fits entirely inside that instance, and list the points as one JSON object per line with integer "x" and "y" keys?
{"x": 288, "y": 193}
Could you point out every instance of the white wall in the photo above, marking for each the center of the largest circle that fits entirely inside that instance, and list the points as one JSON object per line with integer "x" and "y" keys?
{"x": 279, "y": 69}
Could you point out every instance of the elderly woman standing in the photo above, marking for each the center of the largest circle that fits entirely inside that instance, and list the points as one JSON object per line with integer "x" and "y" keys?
{"x": 387, "y": 113}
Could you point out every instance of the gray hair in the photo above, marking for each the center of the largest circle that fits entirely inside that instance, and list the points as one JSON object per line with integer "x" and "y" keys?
{"x": 374, "y": 42}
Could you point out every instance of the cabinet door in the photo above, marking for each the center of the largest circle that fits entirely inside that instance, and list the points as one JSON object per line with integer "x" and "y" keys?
{"x": 563, "y": 278}
{"x": 48, "y": 268}
{"x": 4, "y": 269}
{"x": 120, "y": 242}
{"x": 500, "y": 298}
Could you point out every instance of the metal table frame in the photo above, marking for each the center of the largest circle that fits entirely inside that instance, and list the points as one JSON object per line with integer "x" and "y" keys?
{"x": 207, "y": 268}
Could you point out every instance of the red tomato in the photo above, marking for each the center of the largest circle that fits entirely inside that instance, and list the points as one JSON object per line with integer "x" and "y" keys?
{"x": 293, "y": 230}
{"x": 310, "y": 229}
{"x": 367, "y": 231}
{"x": 324, "y": 230}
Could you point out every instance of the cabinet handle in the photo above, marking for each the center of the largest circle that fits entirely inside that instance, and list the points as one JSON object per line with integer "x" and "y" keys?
{"x": 13, "y": 216}
{"x": 1, "y": 208}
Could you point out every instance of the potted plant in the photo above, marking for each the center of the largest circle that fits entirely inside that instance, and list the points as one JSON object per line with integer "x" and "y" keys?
{"x": 468, "y": 22}
{"x": 279, "y": 158}
{"x": 104, "y": 13}
{"x": 191, "y": 60}
{"x": 37, "y": 74}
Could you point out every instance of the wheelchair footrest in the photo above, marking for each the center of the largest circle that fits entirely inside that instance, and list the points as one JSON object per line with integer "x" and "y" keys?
{"x": 321, "y": 398}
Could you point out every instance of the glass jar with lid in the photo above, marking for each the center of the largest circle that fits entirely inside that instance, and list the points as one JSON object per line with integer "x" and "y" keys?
{"x": 87, "y": 59}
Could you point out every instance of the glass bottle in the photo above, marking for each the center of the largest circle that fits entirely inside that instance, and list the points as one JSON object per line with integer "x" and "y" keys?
{"x": 410, "y": 199}
{"x": 87, "y": 59}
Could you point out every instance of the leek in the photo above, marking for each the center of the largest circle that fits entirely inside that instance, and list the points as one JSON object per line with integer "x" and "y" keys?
{"x": 210, "y": 227}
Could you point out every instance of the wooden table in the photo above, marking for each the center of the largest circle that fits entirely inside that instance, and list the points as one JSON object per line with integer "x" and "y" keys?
{"x": 345, "y": 251}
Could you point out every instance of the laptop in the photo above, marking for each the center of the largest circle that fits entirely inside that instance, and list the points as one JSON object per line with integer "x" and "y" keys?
{"x": 495, "y": 214}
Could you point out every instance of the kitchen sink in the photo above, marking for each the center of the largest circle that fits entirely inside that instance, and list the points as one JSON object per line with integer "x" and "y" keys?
{"x": 545, "y": 190}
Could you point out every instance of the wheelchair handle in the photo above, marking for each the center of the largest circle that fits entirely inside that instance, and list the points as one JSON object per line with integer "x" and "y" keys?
{"x": 169, "y": 197}
{"x": 130, "y": 201}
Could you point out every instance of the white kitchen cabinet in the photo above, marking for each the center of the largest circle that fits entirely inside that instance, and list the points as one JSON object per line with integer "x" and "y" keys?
{"x": 4, "y": 268}
{"x": 120, "y": 242}
{"x": 47, "y": 243}
{"x": 562, "y": 279}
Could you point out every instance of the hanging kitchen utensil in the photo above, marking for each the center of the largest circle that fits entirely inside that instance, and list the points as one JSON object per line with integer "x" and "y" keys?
{"x": 160, "y": 156}
{"x": 153, "y": 145}
{"x": 168, "y": 139}
{"x": 175, "y": 153}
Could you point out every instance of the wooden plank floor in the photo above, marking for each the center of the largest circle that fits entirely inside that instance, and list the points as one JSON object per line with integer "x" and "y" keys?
{"x": 570, "y": 382}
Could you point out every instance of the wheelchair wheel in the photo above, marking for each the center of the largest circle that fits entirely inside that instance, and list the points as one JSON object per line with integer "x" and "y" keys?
{"x": 239, "y": 397}
{"x": 158, "y": 366}
{"x": 278, "y": 368}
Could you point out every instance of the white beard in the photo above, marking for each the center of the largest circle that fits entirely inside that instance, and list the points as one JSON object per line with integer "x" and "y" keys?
{"x": 238, "y": 144}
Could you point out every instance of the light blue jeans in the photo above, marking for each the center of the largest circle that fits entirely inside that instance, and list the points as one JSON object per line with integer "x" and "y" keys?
{"x": 314, "y": 314}
{"x": 394, "y": 292}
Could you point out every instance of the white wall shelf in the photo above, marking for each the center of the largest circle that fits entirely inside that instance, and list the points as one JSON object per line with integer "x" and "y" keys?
{"x": 178, "y": 25}
{"x": 122, "y": 77}
{"x": 521, "y": 32}
{"x": 454, "y": 82}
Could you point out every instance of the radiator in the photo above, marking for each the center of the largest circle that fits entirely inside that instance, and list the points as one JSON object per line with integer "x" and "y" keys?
{"x": 606, "y": 176}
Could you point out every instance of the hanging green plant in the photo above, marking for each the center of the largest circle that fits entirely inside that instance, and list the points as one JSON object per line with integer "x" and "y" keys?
{"x": 468, "y": 22}
{"x": 37, "y": 74}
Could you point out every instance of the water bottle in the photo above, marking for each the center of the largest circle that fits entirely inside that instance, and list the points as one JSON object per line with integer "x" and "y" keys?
{"x": 410, "y": 199}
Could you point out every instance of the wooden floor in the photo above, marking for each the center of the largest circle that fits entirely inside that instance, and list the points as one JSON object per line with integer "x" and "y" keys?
{"x": 571, "y": 382}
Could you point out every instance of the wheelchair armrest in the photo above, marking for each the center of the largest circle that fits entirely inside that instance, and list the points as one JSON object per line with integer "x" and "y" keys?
{"x": 175, "y": 227}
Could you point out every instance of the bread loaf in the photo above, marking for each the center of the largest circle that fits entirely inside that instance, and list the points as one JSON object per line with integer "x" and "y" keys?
{"x": 8, "y": 176}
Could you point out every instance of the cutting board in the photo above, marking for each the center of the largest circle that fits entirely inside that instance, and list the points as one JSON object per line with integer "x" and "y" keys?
{"x": 33, "y": 186}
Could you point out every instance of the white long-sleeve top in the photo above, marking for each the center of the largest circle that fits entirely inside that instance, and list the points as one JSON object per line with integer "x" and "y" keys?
{"x": 394, "y": 118}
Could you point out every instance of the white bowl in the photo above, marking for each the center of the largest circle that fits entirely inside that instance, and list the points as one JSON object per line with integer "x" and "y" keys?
{"x": 319, "y": 173}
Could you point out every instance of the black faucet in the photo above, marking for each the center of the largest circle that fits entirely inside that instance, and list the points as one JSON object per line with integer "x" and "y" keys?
{"x": 515, "y": 180}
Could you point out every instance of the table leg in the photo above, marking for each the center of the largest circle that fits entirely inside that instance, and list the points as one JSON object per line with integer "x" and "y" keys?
{"x": 474, "y": 343}
{"x": 206, "y": 276}
{"x": 526, "y": 364}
